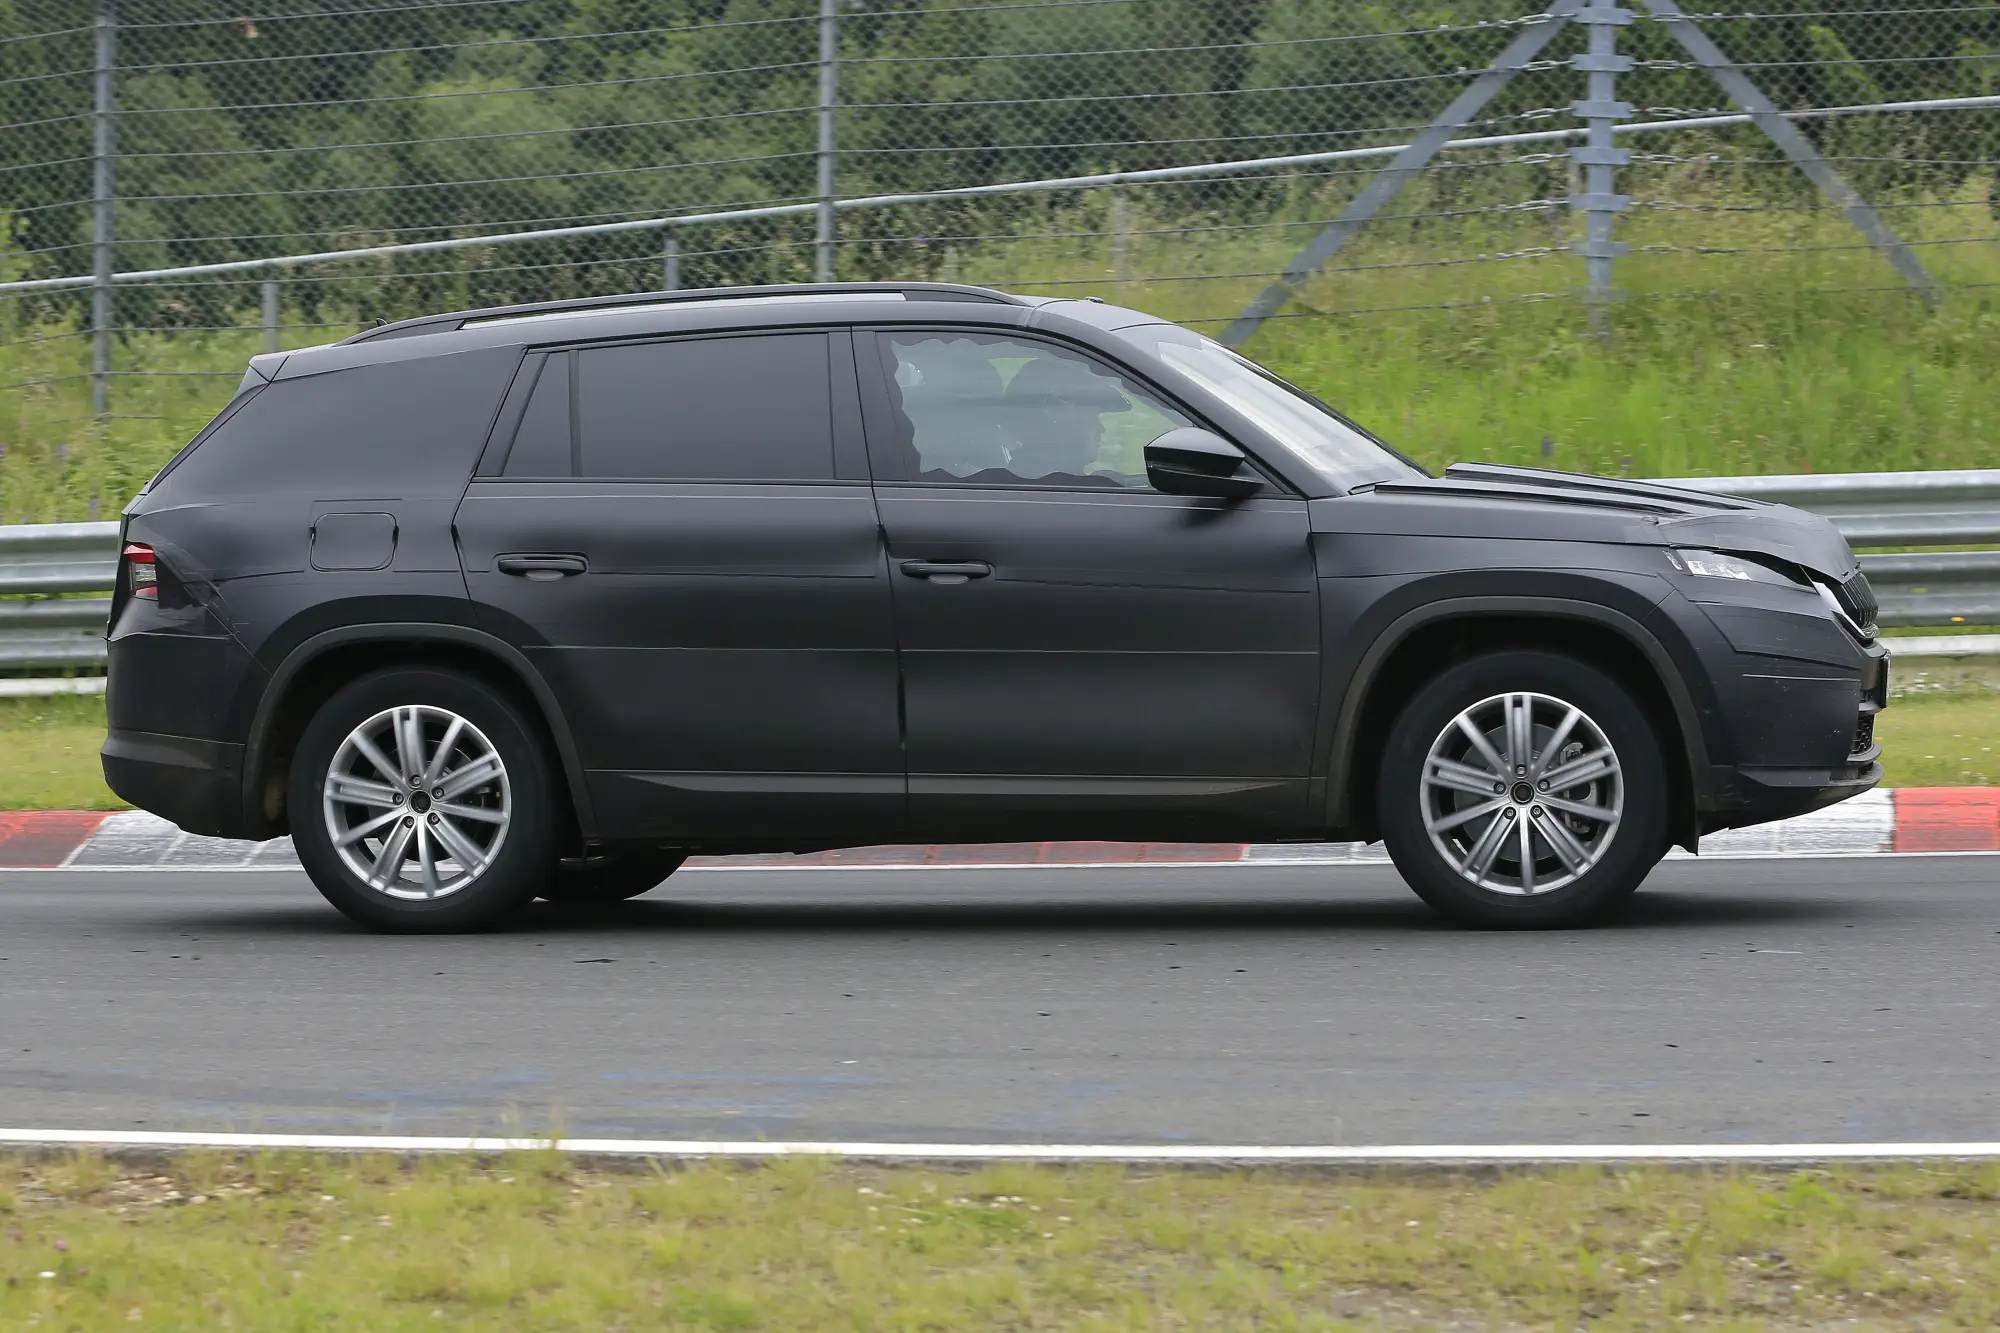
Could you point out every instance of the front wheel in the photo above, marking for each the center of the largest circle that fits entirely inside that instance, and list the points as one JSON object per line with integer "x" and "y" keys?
{"x": 422, "y": 801}
{"x": 1523, "y": 789}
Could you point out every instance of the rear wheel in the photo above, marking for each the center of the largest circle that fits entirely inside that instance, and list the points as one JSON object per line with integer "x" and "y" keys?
{"x": 422, "y": 802}
{"x": 1523, "y": 789}
{"x": 612, "y": 878}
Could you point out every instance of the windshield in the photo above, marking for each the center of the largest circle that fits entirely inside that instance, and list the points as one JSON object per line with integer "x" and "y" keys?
{"x": 1337, "y": 449}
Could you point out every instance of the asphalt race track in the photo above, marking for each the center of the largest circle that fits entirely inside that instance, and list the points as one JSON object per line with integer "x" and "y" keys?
{"x": 1841, "y": 999}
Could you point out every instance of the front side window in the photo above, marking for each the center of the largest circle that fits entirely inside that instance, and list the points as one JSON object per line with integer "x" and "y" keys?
{"x": 1002, "y": 411}
{"x": 1334, "y": 447}
{"x": 749, "y": 408}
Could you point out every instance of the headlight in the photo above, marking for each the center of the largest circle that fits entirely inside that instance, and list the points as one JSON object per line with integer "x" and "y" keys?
{"x": 1716, "y": 565}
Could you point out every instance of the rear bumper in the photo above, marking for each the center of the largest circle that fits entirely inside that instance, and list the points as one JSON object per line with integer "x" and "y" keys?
{"x": 197, "y": 784}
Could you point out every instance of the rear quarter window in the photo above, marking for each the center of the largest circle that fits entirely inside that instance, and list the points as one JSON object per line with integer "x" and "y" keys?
{"x": 402, "y": 428}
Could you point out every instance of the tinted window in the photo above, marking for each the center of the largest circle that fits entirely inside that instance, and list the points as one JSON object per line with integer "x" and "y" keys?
{"x": 541, "y": 444}
{"x": 404, "y": 428}
{"x": 1009, "y": 411}
{"x": 753, "y": 408}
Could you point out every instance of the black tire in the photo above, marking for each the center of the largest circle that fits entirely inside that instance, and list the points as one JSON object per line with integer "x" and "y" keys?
{"x": 1638, "y": 838}
{"x": 524, "y": 850}
{"x": 612, "y": 878}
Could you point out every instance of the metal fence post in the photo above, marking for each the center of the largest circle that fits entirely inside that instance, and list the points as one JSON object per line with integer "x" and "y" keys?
{"x": 103, "y": 239}
{"x": 1797, "y": 147}
{"x": 270, "y": 293}
{"x": 1600, "y": 158}
{"x": 829, "y": 98}
{"x": 1120, "y": 227}
{"x": 670, "y": 257}
{"x": 1408, "y": 164}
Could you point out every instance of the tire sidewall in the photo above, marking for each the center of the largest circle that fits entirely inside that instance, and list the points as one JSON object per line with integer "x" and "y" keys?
{"x": 1641, "y": 838}
{"x": 527, "y": 857}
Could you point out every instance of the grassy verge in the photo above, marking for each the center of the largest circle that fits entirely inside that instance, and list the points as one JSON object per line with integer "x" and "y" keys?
{"x": 1942, "y": 737}
{"x": 1936, "y": 734}
{"x": 534, "y": 1243}
{"x": 48, "y": 754}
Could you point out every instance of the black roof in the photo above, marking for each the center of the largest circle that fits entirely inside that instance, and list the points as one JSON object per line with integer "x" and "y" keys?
{"x": 648, "y": 314}
{"x": 916, "y": 291}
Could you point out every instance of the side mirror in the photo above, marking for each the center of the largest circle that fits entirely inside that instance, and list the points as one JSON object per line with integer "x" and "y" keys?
{"x": 1192, "y": 461}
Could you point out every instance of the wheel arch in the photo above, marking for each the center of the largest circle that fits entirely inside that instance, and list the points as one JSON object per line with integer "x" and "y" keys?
{"x": 1420, "y": 643}
{"x": 330, "y": 659}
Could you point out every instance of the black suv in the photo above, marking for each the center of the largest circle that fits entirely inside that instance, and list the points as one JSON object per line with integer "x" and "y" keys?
{"x": 541, "y": 600}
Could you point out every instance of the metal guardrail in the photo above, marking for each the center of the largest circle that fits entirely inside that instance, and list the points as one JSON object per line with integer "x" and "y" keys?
{"x": 44, "y": 626}
{"x": 46, "y": 630}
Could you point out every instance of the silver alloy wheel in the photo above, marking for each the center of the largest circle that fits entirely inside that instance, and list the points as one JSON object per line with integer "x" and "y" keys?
{"x": 417, "y": 802}
{"x": 1522, "y": 793}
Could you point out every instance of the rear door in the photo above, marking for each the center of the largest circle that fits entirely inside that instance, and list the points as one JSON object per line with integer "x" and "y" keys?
{"x": 1081, "y": 654}
{"x": 680, "y": 534}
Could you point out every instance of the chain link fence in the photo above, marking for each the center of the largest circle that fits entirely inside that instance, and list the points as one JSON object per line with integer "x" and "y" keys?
{"x": 141, "y": 135}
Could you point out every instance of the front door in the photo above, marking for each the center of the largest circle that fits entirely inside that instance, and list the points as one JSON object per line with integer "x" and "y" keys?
{"x": 1081, "y": 655}
{"x": 682, "y": 538}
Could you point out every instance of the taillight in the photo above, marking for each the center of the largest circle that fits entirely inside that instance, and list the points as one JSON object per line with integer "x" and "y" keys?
{"x": 142, "y": 572}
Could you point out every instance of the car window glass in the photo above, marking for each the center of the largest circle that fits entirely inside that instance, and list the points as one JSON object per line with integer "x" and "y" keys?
{"x": 1334, "y": 447}
{"x": 541, "y": 444}
{"x": 756, "y": 408}
{"x": 400, "y": 428}
{"x": 1009, "y": 411}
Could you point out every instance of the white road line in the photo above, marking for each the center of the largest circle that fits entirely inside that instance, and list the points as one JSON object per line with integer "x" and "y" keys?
{"x": 1421, "y": 1154}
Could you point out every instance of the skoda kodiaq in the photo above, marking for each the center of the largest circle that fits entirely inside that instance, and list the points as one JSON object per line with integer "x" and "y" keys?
{"x": 543, "y": 600}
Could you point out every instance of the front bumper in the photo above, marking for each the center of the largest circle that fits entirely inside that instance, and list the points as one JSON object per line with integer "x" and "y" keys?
{"x": 1757, "y": 795}
{"x": 1802, "y": 734}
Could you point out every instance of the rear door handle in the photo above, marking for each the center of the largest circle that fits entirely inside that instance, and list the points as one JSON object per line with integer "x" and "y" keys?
{"x": 542, "y": 568}
{"x": 947, "y": 573}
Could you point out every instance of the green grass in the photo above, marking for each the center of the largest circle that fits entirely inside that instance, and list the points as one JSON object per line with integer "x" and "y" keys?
{"x": 1941, "y": 731}
{"x": 48, "y": 754}
{"x": 1941, "y": 737}
{"x": 533, "y": 1242}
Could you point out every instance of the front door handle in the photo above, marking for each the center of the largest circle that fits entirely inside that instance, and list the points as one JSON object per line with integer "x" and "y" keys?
{"x": 542, "y": 568}
{"x": 947, "y": 573}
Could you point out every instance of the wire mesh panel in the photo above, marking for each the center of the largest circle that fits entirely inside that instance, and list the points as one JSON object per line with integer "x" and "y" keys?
{"x": 237, "y": 134}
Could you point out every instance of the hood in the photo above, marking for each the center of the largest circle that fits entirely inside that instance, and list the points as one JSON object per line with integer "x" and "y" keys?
{"x": 1682, "y": 517}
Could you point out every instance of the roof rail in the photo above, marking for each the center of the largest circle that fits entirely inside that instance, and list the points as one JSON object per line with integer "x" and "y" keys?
{"x": 446, "y": 323}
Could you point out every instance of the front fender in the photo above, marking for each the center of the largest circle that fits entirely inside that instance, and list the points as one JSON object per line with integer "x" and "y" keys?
{"x": 1623, "y": 605}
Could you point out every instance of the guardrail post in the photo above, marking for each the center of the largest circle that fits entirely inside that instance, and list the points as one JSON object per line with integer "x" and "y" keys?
{"x": 670, "y": 264}
{"x": 270, "y": 293}
{"x": 1600, "y": 157}
{"x": 824, "y": 266}
{"x": 103, "y": 239}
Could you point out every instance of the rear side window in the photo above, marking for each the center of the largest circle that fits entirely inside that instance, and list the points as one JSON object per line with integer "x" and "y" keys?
{"x": 752, "y": 408}
{"x": 542, "y": 443}
{"x": 402, "y": 428}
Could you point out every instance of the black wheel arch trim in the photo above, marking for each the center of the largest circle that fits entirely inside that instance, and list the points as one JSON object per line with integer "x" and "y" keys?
{"x": 1347, "y": 724}
{"x": 503, "y": 653}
